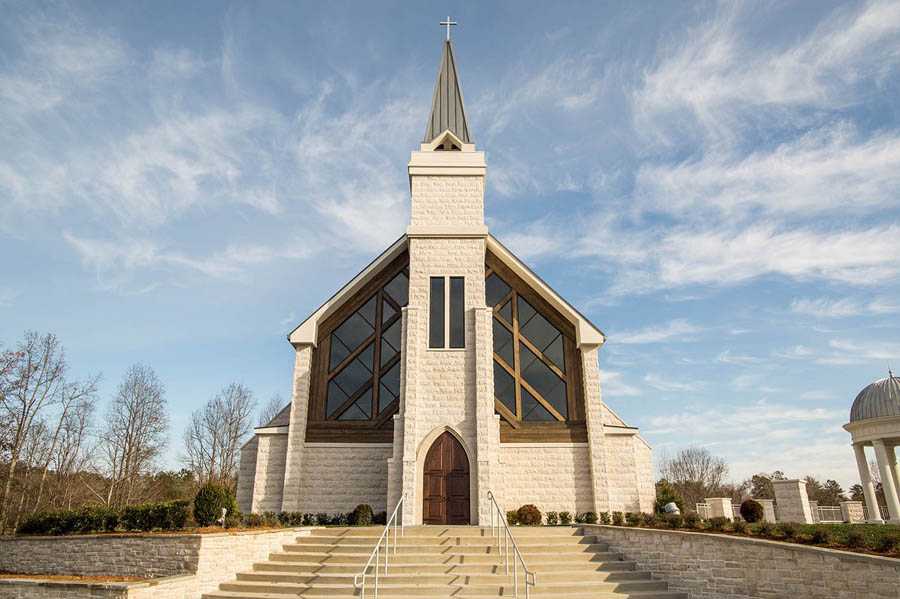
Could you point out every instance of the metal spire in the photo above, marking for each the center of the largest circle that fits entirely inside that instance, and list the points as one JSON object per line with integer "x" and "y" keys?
{"x": 447, "y": 110}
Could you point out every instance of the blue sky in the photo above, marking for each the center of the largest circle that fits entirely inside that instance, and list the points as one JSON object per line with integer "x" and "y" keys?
{"x": 715, "y": 185}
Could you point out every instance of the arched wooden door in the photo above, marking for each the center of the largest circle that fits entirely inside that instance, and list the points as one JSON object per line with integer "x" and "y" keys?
{"x": 446, "y": 483}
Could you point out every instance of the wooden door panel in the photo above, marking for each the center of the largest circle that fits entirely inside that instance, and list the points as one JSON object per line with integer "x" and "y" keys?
{"x": 446, "y": 483}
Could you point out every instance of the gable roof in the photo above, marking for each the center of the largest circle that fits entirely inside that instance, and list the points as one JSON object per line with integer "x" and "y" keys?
{"x": 447, "y": 111}
{"x": 282, "y": 418}
{"x": 586, "y": 333}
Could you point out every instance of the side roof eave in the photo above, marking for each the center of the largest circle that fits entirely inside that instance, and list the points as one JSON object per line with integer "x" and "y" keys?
{"x": 306, "y": 333}
{"x": 586, "y": 333}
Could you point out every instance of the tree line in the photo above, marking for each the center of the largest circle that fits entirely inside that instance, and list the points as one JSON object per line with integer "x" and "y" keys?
{"x": 60, "y": 450}
{"x": 695, "y": 473}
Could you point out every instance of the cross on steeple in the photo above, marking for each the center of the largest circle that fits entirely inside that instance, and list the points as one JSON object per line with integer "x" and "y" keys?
{"x": 448, "y": 23}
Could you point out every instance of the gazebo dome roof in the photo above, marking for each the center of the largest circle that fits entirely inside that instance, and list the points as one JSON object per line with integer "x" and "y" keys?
{"x": 880, "y": 399}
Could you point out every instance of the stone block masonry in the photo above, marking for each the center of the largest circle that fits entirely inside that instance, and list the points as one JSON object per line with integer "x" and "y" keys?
{"x": 339, "y": 476}
{"x": 708, "y": 566}
{"x": 552, "y": 476}
{"x": 184, "y": 565}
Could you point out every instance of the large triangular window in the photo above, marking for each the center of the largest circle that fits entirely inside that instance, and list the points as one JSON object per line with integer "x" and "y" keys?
{"x": 364, "y": 356}
{"x": 532, "y": 380}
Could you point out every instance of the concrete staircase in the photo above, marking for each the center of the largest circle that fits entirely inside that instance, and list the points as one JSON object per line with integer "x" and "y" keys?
{"x": 446, "y": 561}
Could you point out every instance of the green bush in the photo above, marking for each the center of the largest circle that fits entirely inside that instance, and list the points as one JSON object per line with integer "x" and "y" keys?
{"x": 233, "y": 520}
{"x": 512, "y": 517}
{"x": 292, "y": 518}
{"x": 167, "y": 515}
{"x": 565, "y": 518}
{"x": 322, "y": 519}
{"x": 718, "y": 523}
{"x": 308, "y": 520}
{"x": 252, "y": 520}
{"x": 380, "y": 518}
{"x": 552, "y": 518}
{"x": 632, "y": 519}
{"x": 529, "y": 515}
{"x": 362, "y": 515}
{"x": 649, "y": 520}
{"x": 674, "y": 520}
{"x": 692, "y": 520}
{"x": 618, "y": 519}
{"x": 887, "y": 543}
{"x": 209, "y": 502}
{"x": 820, "y": 536}
{"x": 666, "y": 493}
{"x": 751, "y": 511}
{"x": 590, "y": 518}
{"x": 856, "y": 539}
{"x": 765, "y": 529}
{"x": 605, "y": 517}
{"x": 740, "y": 526}
{"x": 788, "y": 530}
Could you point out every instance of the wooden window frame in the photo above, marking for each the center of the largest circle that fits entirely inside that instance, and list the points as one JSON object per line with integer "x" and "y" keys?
{"x": 320, "y": 427}
{"x": 570, "y": 429}
{"x": 448, "y": 282}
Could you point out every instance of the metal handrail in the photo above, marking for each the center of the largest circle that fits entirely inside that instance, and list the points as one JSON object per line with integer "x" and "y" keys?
{"x": 386, "y": 539}
{"x": 500, "y": 518}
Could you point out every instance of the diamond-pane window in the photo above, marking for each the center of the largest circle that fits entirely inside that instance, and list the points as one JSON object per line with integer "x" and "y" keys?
{"x": 503, "y": 344}
{"x": 358, "y": 327}
{"x": 390, "y": 387}
{"x": 495, "y": 289}
{"x": 542, "y": 379}
{"x": 398, "y": 289}
{"x": 541, "y": 333}
{"x": 533, "y": 410}
{"x": 504, "y": 387}
{"x": 361, "y": 408}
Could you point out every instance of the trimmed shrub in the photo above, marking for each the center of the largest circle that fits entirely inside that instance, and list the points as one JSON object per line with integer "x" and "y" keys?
{"x": 666, "y": 493}
{"x": 552, "y": 518}
{"x": 605, "y": 518}
{"x": 529, "y": 515}
{"x": 292, "y": 518}
{"x": 590, "y": 518}
{"x": 632, "y": 519}
{"x": 565, "y": 518}
{"x": 136, "y": 517}
{"x": 740, "y": 526}
{"x": 512, "y": 517}
{"x": 618, "y": 519}
{"x": 887, "y": 543}
{"x": 788, "y": 529}
{"x": 209, "y": 502}
{"x": 765, "y": 529}
{"x": 649, "y": 520}
{"x": 856, "y": 539}
{"x": 252, "y": 520}
{"x": 308, "y": 519}
{"x": 380, "y": 518}
{"x": 322, "y": 519}
{"x": 674, "y": 520}
{"x": 718, "y": 523}
{"x": 362, "y": 515}
{"x": 233, "y": 520}
{"x": 751, "y": 511}
{"x": 820, "y": 536}
{"x": 692, "y": 520}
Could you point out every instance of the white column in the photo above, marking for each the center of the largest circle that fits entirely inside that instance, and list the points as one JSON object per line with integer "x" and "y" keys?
{"x": 887, "y": 480}
{"x": 865, "y": 478}
{"x": 895, "y": 467}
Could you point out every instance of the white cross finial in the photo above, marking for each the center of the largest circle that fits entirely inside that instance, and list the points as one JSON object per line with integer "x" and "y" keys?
{"x": 448, "y": 23}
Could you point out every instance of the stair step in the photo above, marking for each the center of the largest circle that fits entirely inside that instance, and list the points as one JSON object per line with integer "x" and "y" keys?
{"x": 443, "y": 558}
{"x": 421, "y": 541}
{"x": 462, "y": 568}
{"x": 455, "y": 578}
{"x": 533, "y": 593}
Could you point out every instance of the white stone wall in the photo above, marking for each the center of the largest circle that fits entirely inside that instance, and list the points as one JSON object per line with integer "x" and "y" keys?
{"x": 269, "y": 478}
{"x": 447, "y": 201}
{"x": 246, "y": 475}
{"x": 595, "y": 415}
{"x": 291, "y": 498}
{"x": 552, "y": 476}
{"x": 339, "y": 476}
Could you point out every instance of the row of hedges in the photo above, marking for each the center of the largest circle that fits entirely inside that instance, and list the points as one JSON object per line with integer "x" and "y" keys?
{"x": 361, "y": 516}
{"x": 170, "y": 515}
{"x": 877, "y": 538}
{"x": 530, "y": 515}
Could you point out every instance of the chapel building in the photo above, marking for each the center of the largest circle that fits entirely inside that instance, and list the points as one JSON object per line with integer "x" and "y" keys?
{"x": 446, "y": 369}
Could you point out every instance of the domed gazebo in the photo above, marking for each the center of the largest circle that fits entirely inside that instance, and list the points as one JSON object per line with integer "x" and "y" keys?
{"x": 875, "y": 421}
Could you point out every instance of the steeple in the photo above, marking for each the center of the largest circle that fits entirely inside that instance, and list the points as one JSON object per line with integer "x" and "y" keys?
{"x": 447, "y": 110}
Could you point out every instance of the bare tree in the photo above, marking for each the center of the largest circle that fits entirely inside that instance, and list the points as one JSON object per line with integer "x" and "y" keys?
{"x": 213, "y": 439}
{"x": 695, "y": 473}
{"x": 32, "y": 380}
{"x": 270, "y": 410}
{"x": 134, "y": 434}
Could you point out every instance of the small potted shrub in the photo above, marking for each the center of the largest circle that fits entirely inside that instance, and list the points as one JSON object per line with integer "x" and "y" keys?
{"x": 751, "y": 511}
{"x": 552, "y": 518}
{"x": 565, "y": 518}
{"x": 590, "y": 518}
{"x": 618, "y": 518}
{"x": 362, "y": 515}
{"x": 605, "y": 518}
{"x": 529, "y": 515}
{"x": 512, "y": 517}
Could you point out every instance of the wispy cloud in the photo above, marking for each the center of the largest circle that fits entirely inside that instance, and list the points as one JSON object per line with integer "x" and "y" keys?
{"x": 665, "y": 384}
{"x": 726, "y": 357}
{"x": 824, "y": 307}
{"x": 614, "y": 385}
{"x": 677, "y": 330}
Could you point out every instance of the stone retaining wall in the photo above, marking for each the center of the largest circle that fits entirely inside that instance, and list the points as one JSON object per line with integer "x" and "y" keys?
{"x": 710, "y": 566}
{"x": 185, "y": 566}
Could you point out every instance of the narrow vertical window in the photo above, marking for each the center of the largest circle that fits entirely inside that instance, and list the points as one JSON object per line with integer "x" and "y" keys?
{"x": 436, "y": 313}
{"x": 457, "y": 312}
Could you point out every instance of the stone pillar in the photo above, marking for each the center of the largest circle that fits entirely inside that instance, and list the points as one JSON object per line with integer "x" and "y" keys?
{"x": 487, "y": 432}
{"x": 814, "y": 510}
{"x": 768, "y": 506}
{"x": 887, "y": 480}
{"x": 895, "y": 467}
{"x": 293, "y": 470}
{"x": 852, "y": 511}
{"x": 720, "y": 507}
{"x": 593, "y": 411}
{"x": 865, "y": 478}
{"x": 411, "y": 359}
{"x": 792, "y": 500}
